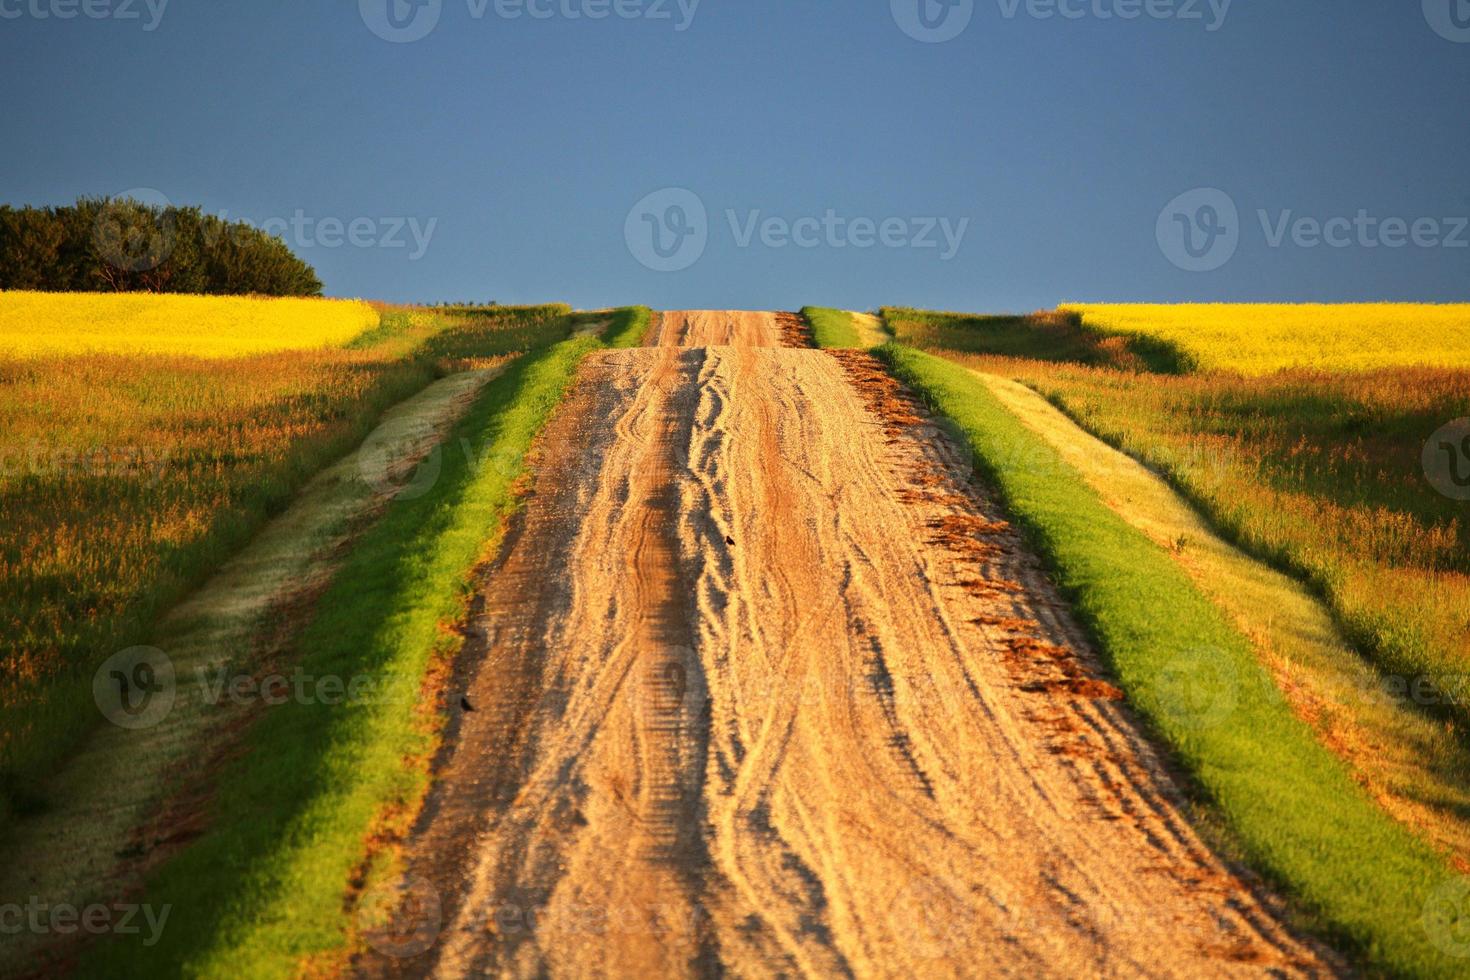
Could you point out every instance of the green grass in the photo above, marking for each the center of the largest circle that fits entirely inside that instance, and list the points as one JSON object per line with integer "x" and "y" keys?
{"x": 264, "y": 887}
{"x": 1291, "y": 806}
{"x": 629, "y": 326}
{"x": 832, "y": 328}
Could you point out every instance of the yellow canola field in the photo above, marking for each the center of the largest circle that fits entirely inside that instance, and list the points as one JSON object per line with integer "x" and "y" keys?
{"x": 1262, "y": 338}
{"x": 38, "y": 324}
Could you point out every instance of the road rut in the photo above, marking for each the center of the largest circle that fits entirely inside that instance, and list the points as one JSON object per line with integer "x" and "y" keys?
{"x": 765, "y": 685}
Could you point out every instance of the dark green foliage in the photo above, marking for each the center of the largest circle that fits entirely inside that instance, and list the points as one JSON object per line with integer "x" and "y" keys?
{"x": 122, "y": 245}
{"x": 1045, "y": 336}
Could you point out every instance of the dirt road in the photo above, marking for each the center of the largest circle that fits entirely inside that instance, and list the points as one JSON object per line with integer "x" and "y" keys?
{"x": 764, "y": 686}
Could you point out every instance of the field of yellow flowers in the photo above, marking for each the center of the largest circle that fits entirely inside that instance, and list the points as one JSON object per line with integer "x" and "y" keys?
{"x": 1257, "y": 339}
{"x": 40, "y": 324}
{"x": 127, "y": 477}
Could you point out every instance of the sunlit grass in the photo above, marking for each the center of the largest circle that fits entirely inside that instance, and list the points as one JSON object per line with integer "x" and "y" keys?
{"x": 832, "y": 328}
{"x": 127, "y": 478}
{"x": 264, "y": 887}
{"x": 39, "y": 324}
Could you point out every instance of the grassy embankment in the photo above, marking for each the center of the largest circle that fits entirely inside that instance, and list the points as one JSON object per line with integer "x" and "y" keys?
{"x": 1315, "y": 471}
{"x": 832, "y": 329}
{"x": 1292, "y": 807}
{"x": 628, "y": 326}
{"x": 844, "y": 329}
{"x": 130, "y": 471}
{"x": 263, "y": 891}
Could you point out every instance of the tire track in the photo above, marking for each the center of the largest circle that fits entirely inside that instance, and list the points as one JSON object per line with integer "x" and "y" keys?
{"x": 787, "y": 696}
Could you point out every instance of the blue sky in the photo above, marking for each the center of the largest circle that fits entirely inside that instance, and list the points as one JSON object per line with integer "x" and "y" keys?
{"x": 502, "y": 157}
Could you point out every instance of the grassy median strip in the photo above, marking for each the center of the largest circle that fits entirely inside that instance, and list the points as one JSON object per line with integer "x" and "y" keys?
{"x": 628, "y": 327}
{"x": 262, "y": 888}
{"x": 1293, "y": 808}
{"x": 832, "y": 328}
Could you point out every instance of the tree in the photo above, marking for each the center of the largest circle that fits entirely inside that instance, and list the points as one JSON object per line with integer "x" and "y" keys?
{"x": 123, "y": 245}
